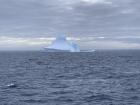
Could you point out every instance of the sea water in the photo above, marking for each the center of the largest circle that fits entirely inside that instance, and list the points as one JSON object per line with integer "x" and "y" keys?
{"x": 97, "y": 78}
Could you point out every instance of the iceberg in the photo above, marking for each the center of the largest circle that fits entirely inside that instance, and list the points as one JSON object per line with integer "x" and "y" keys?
{"x": 61, "y": 44}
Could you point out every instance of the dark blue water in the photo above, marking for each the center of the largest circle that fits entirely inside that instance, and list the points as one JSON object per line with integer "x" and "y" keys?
{"x": 99, "y": 78}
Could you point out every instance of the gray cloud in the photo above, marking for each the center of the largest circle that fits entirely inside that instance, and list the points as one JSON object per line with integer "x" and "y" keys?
{"x": 60, "y": 17}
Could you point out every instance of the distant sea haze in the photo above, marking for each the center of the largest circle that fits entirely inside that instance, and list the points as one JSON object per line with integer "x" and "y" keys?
{"x": 95, "y": 78}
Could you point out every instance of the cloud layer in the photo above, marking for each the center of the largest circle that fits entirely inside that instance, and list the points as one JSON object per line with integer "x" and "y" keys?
{"x": 85, "y": 43}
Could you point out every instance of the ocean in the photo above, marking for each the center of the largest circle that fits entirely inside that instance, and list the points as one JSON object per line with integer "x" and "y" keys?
{"x": 96, "y": 78}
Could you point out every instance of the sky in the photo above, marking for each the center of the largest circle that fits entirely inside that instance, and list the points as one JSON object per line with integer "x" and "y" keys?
{"x": 93, "y": 24}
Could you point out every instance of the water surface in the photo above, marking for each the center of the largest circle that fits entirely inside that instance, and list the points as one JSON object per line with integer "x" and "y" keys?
{"x": 98, "y": 78}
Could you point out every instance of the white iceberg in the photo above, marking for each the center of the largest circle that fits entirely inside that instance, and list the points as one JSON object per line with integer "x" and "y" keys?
{"x": 61, "y": 44}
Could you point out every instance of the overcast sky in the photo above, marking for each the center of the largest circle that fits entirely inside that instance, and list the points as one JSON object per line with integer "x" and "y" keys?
{"x": 99, "y": 24}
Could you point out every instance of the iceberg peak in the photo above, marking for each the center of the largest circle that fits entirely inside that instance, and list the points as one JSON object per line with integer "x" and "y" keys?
{"x": 61, "y": 44}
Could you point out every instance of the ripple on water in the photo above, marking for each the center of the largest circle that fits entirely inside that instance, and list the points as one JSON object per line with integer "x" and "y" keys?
{"x": 33, "y": 101}
{"x": 28, "y": 94}
{"x": 98, "y": 97}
